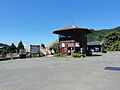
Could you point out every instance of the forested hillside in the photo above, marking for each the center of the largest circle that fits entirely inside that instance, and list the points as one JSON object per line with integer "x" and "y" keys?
{"x": 95, "y": 33}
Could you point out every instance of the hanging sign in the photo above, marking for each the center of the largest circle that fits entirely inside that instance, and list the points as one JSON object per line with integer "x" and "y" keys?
{"x": 77, "y": 44}
{"x": 70, "y": 44}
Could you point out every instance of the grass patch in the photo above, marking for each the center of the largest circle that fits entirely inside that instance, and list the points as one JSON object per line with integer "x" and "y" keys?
{"x": 37, "y": 55}
{"x": 2, "y": 56}
{"x": 76, "y": 55}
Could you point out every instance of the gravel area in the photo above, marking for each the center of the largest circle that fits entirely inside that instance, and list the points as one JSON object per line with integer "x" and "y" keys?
{"x": 52, "y": 73}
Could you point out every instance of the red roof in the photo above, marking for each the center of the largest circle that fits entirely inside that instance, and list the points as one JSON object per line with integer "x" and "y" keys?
{"x": 71, "y": 28}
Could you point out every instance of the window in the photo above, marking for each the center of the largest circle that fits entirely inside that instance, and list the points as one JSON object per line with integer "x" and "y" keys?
{"x": 77, "y": 44}
{"x": 63, "y": 44}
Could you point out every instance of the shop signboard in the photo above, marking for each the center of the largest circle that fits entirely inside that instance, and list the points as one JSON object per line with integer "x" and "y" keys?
{"x": 34, "y": 49}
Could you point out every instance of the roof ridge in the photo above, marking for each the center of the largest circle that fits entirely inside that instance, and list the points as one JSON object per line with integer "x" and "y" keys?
{"x": 73, "y": 26}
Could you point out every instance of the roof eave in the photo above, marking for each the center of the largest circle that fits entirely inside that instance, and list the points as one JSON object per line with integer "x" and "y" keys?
{"x": 58, "y": 31}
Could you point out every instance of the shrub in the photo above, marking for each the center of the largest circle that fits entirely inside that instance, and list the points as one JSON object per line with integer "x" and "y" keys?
{"x": 37, "y": 55}
{"x": 41, "y": 55}
{"x": 77, "y": 55}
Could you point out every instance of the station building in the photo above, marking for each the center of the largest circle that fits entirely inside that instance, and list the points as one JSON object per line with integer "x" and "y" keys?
{"x": 73, "y": 39}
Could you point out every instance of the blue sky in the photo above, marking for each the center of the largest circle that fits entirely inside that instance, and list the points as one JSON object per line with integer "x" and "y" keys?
{"x": 33, "y": 21}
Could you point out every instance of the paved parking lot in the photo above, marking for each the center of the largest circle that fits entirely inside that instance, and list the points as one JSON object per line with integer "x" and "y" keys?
{"x": 51, "y": 73}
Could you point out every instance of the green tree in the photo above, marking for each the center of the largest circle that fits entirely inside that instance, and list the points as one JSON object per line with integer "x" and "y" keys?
{"x": 11, "y": 49}
{"x": 55, "y": 46}
{"x": 8, "y": 49}
{"x": 115, "y": 46}
{"x": 111, "y": 41}
{"x": 43, "y": 45}
{"x": 20, "y": 45}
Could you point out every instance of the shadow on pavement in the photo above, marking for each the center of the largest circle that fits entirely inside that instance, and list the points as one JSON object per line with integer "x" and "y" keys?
{"x": 112, "y": 68}
{"x": 93, "y": 55}
{"x": 96, "y": 55}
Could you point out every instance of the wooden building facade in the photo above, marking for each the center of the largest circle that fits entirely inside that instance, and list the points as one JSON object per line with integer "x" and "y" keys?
{"x": 72, "y": 39}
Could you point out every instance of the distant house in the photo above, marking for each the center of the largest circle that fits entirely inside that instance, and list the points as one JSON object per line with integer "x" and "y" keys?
{"x": 2, "y": 48}
{"x": 96, "y": 46}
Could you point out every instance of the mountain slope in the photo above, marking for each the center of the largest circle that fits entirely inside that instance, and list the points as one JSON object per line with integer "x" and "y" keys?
{"x": 95, "y": 33}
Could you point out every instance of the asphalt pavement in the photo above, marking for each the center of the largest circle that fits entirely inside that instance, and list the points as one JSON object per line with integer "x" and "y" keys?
{"x": 51, "y": 73}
